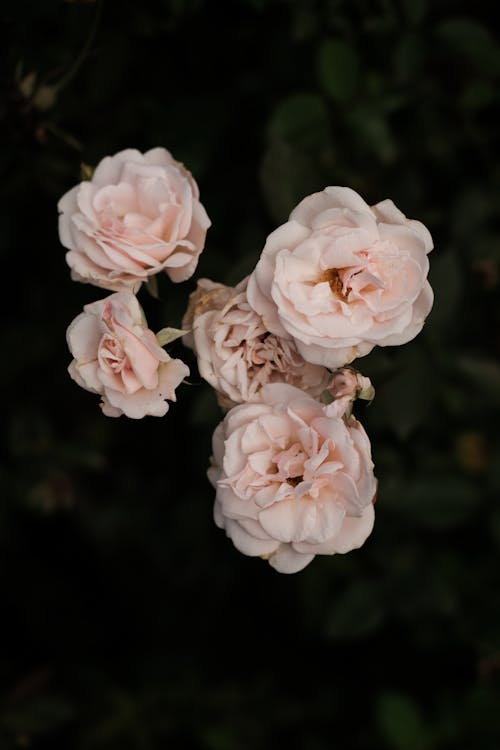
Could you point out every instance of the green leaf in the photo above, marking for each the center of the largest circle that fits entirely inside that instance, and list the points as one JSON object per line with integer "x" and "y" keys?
{"x": 338, "y": 69}
{"x": 287, "y": 175}
{"x": 415, "y": 10}
{"x": 446, "y": 279}
{"x": 167, "y": 335}
{"x": 408, "y": 56}
{"x": 482, "y": 373}
{"x": 38, "y": 716}
{"x": 405, "y": 400}
{"x": 473, "y": 41}
{"x": 86, "y": 171}
{"x": 357, "y": 611}
{"x": 205, "y": 409}
{"x": 437, "y": 500}
{"x": 400, "y": 722}
{"x": 478, "y": 95}
{"x": 373, "y": 132}
{"x": 301, "y": 120}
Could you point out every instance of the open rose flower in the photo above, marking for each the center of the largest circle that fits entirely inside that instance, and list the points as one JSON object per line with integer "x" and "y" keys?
{"x": 292, "y": 478}
{"x": 236, "y": 354}
{"x": 340, "y": 277}
{"x": 139, "y": 214}
{"x": 118, "y": 357}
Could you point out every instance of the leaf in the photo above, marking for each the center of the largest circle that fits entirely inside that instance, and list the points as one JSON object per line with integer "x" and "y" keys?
{"x": 437, "y": 501}
{"x": 86, "y": 171}
{"x": 373, "y": 132}
{"x": 167, "y": 335}
{"x": 338, "y": 69}
{"x": 400, "y": 722}
{"x": 287, "y": 175}
{"x": 405, "y": 400}
{"x": 478, "y": 95}
{"x": 482, "y": 373}
{"x": 415, "y": 10}
{"x": 301, "y": 120}
{"x": 408, "y": 56}
{"x": 356, "y": 612}
{"x": 204, "y": 409}
{"x": 40, "y": 715}
{"x": 446, "y": 279}
{"x": 473, "y": 41}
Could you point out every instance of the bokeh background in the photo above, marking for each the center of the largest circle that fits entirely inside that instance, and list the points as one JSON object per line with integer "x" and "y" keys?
{"x": 128, "y": 620}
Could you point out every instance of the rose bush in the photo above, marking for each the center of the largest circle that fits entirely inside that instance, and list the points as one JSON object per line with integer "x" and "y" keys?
{"x": 138, "y": 215}
{"x": 340, "y": 277}
{"x": 292, "y": 479}
{"x": 118, "y": 357}
{"x": 235, "y": 353}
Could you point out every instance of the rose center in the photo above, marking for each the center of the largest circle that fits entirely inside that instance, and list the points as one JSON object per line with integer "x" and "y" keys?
{"x": 294, "y": 481}
{"x": 332, "y": 276}
{"x": 267, "y": 350}
{"x": 111, "y": 355}
{"x": 290, "y": 464}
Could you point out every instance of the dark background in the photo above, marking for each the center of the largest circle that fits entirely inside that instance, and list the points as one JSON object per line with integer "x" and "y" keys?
{"x": 128, "y": 619}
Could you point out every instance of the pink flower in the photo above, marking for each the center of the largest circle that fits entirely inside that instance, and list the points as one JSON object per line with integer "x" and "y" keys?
{"x": 346, "y": 385}
{"x": 340, "y": 277}
{"x": 236, "y": 354}
{"x": 117, "y": 356}
{"x": 137, "y": 216}
{"x": 292, "y": 479}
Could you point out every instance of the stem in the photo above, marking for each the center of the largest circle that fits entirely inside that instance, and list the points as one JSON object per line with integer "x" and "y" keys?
{"x": 63, "y": 82}
{"x": 66, "y": 137}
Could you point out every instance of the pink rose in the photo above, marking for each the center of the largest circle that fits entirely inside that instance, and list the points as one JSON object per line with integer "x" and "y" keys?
{"x": 346, "y": 385}
{"x": 236, "y": 354}
{"x": 117, "y": 356}
{"x": 293, "y": 480}
{"x": 137, "y": 216}
{"x": 340, "y": 277}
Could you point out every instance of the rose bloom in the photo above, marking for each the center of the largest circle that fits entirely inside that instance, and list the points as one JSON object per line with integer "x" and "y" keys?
{"x": 137, "y": 216}
{"x": 236, "y": 354}
{"x": 117, "y": 356}
{"x": 292, "y": 478}
{"x": 340, "y": 277}
{"x": 348, "y": 382}
{"x": 346, "y": 385}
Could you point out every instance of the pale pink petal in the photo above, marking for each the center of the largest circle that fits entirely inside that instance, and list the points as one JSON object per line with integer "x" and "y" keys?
{"x": 287, "y": 560}
{"x": 331, "y": 197}
{"x": 248, "y": 544}
{"x": 83, "y": 336}
{"x": 387, "y": 212}
{"x": 151, "y": 402}
{"x": 352, "y": 535}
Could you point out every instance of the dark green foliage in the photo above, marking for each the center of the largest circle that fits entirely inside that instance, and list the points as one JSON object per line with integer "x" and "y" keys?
{"x": 129, "y": 621}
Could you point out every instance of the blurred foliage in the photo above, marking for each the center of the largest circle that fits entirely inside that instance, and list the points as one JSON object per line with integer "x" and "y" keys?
{"x": 129, "y": 621}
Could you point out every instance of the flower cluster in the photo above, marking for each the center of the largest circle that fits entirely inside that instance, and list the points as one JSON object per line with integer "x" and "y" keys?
{"x": 291, "y": 465}
{"x": 137, "y": 216}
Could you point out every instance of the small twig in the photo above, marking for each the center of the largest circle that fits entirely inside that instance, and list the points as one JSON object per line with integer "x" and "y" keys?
{"x": 63, "y": 82}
